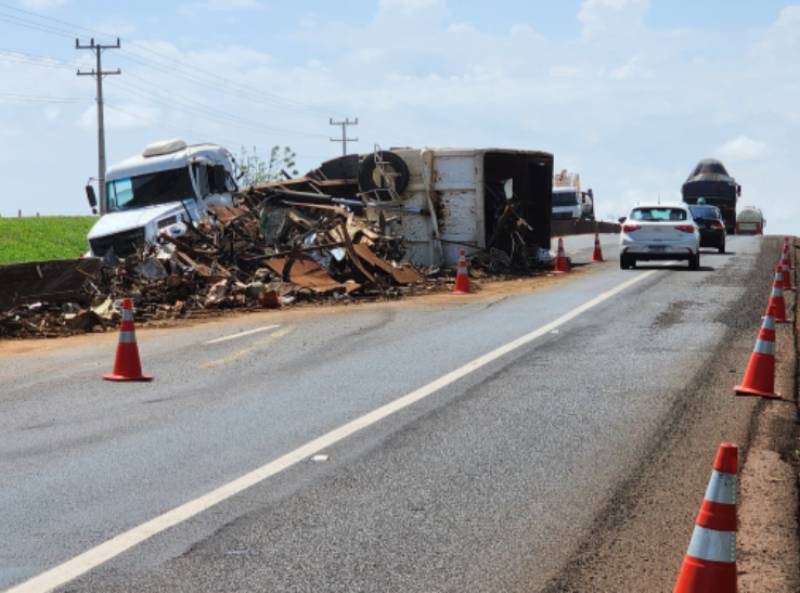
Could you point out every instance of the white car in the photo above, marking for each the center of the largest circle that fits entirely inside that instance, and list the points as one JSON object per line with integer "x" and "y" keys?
{"x": 659, "y": 232}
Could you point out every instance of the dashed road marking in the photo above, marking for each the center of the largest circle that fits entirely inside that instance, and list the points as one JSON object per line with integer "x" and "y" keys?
{"x": 249, "y": 332}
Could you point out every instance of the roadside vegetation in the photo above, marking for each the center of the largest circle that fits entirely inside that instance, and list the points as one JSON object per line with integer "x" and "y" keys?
{"x": 43, "y": 237}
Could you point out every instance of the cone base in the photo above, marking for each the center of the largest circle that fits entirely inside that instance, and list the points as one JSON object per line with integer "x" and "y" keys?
{"x": 598, "y": 259}
{"x": 460, "y": 292}
{"x": 121, "y": 378}
{"x": 742, "y": 390}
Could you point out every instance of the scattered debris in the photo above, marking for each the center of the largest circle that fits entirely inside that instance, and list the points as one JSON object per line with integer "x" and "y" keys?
{"x": 355, "y": 228}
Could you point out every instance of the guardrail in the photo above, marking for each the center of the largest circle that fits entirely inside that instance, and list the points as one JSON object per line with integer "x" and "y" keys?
{"x": 559, "y": 228}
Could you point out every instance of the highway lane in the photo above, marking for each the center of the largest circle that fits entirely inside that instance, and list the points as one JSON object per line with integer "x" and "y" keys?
{"x": 492, "y": 470}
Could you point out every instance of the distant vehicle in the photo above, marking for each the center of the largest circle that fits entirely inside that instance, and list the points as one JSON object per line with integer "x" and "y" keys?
{"x": 569, "y": 202}
{"x": 165, "y": 188}
{"x": 659, "y": 232}
{"x": 750, "y": 221}
{"x": 711, "y": 181}
{"x": 711, "y": 226}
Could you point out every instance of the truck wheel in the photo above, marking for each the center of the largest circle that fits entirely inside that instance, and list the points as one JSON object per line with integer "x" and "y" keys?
{"x": 371, "y": 182}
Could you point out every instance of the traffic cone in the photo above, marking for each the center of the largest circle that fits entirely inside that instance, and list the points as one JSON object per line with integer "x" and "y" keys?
{"x": 562, "y": 264}
{"x": 710, "y": 563}
{"x": 127, "y": 366}
{"x": 786, "y": 271}
{"x": 759, "y": 378}
{"x": 597, "y": 254}
{"x": 462, "y": 276}
{"x": 776, "y": 297}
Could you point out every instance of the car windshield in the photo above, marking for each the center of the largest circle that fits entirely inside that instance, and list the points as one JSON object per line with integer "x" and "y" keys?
{"x": 658, "y": 213}
{"x": 148, "y": 190}
{"x": 566, "y": 198}
{"x": 705, "y": 212}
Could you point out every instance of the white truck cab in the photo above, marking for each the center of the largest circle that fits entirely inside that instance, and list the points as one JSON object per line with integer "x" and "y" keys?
{"x": 169, "y": 185}
{"x": 569, "y": 202}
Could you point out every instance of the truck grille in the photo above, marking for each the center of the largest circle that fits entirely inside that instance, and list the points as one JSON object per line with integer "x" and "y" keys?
{"x": 124, "y": 243}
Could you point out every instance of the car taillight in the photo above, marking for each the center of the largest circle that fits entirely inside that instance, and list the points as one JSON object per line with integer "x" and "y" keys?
{"x": 716, "y": 224}
{"x": 686, "y": 228}
{"x": 629, "y": 228}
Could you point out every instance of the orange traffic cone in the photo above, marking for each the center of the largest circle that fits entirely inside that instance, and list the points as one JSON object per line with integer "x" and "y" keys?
{"x": 127, "y": 366}
{"x": 710, "y": 563}
{"x": 759, "y": 378}
{"x": 776, "y": 297}
{"x": 562, "y": 264}
{"x": 786, "y": 263}
{"x": 462, "y": 276}
{"x": 597, "y": 254}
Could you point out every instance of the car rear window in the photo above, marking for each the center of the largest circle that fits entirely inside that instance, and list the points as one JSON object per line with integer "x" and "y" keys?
{"x": 658, "y": 214}
{"x": 704, "y": 211}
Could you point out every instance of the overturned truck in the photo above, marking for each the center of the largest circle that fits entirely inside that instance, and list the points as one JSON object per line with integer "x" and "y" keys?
{"x": 493, "y": 203}
{"x": 372, "y": 226}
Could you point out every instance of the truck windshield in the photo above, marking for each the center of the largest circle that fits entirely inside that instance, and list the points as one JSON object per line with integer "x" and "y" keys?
{"x": 565, "y": 198}
{"x": 148, "y": 190}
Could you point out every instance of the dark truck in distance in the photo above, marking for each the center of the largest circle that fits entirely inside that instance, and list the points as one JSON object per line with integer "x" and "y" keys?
{"x": 711, "y": 181}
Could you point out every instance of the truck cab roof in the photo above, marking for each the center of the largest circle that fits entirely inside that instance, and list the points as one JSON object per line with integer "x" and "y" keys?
{"x": 177, "y": 155}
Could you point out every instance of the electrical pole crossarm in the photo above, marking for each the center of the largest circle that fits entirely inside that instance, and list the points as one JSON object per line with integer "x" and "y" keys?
{"x": 344, "y": 139}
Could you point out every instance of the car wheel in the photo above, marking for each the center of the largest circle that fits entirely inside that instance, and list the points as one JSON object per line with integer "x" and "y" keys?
{"x": 625, "y": 262}
{"x": 722, "y": 247}
{"x": 694, "y": 261}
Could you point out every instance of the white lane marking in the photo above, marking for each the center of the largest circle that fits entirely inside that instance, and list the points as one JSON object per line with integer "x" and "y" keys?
{"x": 249, "y": 332}
{"x": 94, "y": 557}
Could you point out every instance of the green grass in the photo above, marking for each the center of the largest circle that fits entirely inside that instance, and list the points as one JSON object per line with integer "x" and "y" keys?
{"x": 43, "y": 237}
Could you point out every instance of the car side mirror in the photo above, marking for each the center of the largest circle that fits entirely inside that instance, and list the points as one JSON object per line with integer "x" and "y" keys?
{"x": 92, "y": 198}
{"x": 622, "y": 219}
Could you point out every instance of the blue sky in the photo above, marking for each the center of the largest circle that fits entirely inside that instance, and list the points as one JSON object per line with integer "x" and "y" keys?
{"x": 630, "y": 93}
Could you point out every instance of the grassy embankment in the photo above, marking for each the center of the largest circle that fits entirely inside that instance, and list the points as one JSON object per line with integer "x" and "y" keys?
{"x": 43, "y": 237}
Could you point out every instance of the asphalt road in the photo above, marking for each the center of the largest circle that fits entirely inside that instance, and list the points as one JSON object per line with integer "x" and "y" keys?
{"x": 489, "y": 483}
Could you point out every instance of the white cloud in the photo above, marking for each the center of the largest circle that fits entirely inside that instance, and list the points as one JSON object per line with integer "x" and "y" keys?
{"x": 423, "y": 11}
{"x": 41, "y": 5}
{"x": 603, "y": 17}
{"x": 460, "y": 28}
{"x": 742, "y": 148}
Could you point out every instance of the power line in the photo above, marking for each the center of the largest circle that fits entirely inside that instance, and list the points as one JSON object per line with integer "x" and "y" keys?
{"x": 23, "y": 98}
{"x": 344, "y": 139}
{"x": 98, "y": 73}
{"x": 198, "y": 75}
{"x": 177, "y": 102}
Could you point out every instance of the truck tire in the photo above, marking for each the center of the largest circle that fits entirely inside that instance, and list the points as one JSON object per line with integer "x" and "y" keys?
{"x": 379, "y": 188}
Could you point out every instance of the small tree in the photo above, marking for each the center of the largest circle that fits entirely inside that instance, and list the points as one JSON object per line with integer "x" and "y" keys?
{"x": 257, "y": 170}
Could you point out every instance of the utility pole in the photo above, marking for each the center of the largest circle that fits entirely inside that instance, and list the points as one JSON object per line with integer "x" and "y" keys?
{"x": 99, "y": 73}
{"x": 344, "y": 139}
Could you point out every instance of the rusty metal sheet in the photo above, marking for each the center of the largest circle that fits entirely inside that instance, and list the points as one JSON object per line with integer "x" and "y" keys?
{"x": 53, "y": 281}
{"x": 404, "y": 274}
{"x": 306, "y": 273}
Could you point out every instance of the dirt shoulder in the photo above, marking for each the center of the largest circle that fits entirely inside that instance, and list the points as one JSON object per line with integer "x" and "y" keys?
{"x": 638, "y": 543}
{"x": 768, "y": 546}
